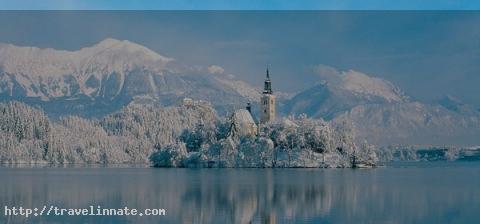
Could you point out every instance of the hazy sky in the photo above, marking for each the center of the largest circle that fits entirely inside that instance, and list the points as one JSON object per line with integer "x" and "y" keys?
{"x": 242, "y": 5}
{"x": 427, "y": 53}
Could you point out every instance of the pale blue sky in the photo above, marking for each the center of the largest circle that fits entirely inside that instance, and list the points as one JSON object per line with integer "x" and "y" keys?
{"x": 429, "y": 54}
{"x": 241, "y": 4}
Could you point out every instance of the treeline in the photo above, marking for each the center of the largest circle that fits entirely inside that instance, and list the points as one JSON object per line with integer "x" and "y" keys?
{"x": 27, "y": 135}
{"x": 178, "y": 136}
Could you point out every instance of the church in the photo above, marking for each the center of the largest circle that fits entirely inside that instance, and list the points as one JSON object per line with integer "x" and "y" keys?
{"x": 267, "y": 102}
{"x": 243, "y": 122}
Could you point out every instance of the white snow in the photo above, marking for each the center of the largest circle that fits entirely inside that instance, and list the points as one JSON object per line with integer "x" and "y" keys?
{"x": 361, "y": 83}
{"x": 244, "y": 122}
{"x": 57, "y": 71}
{"x": 108, "y": 56}
{"x": 181, "y": 136}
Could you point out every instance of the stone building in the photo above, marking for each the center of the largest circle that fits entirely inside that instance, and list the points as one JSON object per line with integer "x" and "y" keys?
{"x": 267, "y": 102}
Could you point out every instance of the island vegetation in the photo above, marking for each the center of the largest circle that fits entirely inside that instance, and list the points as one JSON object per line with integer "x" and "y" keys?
{"x": 175, "y": 136}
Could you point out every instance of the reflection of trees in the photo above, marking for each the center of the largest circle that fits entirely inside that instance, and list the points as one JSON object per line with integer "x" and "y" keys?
{"x": 249, "y": 195}
{"x": 254, "y": 195}
{"x": 198, "y": 196}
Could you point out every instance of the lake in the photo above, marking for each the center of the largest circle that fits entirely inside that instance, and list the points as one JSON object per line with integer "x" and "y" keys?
{"x": 436, "y": 192}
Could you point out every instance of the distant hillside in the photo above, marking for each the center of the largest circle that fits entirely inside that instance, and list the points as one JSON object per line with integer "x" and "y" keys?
{"x": 384, "y": 115}
{"x": 98, "y": 80}
{"x": 342, "y": 92}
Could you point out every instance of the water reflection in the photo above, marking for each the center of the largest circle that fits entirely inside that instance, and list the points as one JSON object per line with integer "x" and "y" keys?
{"x": 389, "y": 195}
{"x": 256, "y": 195}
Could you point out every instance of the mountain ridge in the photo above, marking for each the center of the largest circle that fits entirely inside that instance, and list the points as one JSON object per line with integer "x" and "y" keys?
{"x": 109, "y": 73}
{"x": 97, "y": 80}
{"x": 383, "y": 114}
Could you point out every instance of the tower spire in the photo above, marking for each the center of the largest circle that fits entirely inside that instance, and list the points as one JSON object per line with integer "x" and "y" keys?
{"x": 267, "y": 101}
{"x": 267, "y": 88}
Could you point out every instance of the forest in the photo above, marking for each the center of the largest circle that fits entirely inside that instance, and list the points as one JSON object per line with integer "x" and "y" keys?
{"x": 176, "y": 136}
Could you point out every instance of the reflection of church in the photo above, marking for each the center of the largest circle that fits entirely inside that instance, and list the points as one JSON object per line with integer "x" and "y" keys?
{"x": 243, "y": 121}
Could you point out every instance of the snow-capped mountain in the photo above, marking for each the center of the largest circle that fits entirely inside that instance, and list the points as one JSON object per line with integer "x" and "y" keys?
{"x": 49, "y": 73}
{"x": 101, "y": 78}
{"x": 383, "y": 114}
{"x": 412, "y": 123}
{"x": 343, "y": 91}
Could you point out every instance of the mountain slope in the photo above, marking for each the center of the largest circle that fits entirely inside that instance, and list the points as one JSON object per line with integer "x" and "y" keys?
{"x": 412, "y": 123}
{"x": 381, "y": 113}
{"x": 100, "y": 79}
{"x": 342, "y": 92}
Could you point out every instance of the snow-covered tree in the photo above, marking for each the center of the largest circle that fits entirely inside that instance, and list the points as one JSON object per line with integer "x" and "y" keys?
{"x": 171, "y": 156}
{"x": 178, "y": 136}
{"x": 366, "y": 154}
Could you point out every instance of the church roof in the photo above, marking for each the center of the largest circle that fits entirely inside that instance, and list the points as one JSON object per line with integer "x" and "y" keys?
{"x": 243, "y": 116}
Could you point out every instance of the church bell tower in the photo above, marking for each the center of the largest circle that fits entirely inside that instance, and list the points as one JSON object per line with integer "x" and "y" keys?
{"x": 267, "y": 102}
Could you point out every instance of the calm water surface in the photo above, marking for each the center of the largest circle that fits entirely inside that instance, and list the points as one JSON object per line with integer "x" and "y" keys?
{"x": 399, "y": 193}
